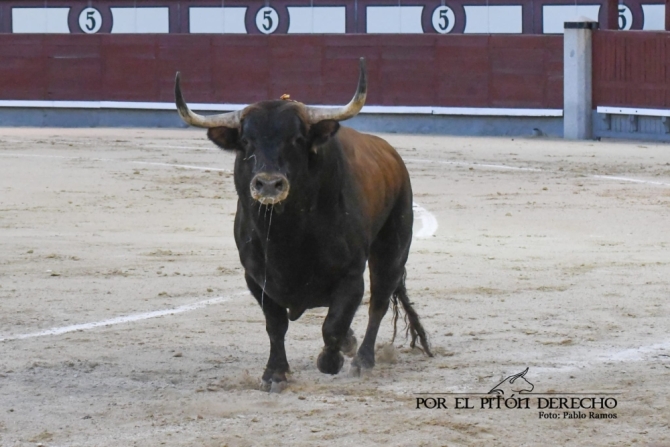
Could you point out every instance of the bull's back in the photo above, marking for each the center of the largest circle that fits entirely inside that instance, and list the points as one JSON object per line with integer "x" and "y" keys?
{"x": 378, "y": 171}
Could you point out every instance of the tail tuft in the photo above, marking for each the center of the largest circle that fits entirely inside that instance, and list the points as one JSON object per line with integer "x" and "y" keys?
{"x": 413, "y": 325}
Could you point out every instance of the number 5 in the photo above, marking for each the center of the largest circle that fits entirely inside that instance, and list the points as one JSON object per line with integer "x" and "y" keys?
{"x": 91, "y": 19}
{"x": 443, "y": 19}
{"x": 267, "y": 20}
{"x": 267, "y": 15}
{"x": 445, "y": 23}
{"x": 625, "y": 17}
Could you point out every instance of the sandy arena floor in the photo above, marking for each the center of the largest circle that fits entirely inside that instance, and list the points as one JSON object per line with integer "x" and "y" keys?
{"x": 541, "y": 260}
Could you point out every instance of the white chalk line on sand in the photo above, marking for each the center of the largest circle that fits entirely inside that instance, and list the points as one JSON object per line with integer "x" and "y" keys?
{"x": 473, "y": 165}
{"x": 428, "y": 220}
{"x": 163, "y": 146}
{"x": 123, "y": 319}
{"x": 638, "y": 354}
{"x": 409, "y": 160}
{"x": 632, "y": 180}
{"x": 517, "y": 168}
{"x": 107, "y": 160}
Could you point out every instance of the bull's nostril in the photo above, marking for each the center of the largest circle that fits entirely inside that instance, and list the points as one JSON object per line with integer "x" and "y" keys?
{"x": 264, "y": 185}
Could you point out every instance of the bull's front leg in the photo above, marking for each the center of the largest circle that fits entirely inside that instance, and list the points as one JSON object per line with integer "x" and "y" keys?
{"x": 276, "y": 325}
{"x": 337, "y": 334}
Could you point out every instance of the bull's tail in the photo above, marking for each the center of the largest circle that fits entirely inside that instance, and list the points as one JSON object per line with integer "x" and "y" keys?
{"x": 413, "y": 326}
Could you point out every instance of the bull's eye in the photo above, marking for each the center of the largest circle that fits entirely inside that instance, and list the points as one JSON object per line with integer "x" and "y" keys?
{"x": 299, "y": 141}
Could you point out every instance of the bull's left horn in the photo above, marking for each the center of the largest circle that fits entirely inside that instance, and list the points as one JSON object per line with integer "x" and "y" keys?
{"x": 230, "y": 119}
{"x": 317, "y": 114}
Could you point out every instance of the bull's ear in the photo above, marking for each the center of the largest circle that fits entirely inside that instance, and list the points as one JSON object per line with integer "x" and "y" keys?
{"x": 321, "y": 132}
{"x": 224, "y": 137}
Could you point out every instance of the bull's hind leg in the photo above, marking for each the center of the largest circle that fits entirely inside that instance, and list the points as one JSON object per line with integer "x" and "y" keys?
{"x": 380, "y": 296}
{"x": 382, "y": 285}
{"x": 388, "y": 256}
{"x": 276, "y": 325}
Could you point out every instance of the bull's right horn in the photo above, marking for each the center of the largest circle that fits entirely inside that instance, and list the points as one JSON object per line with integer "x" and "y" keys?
{"x": 229, "y": 119}
{"x": 316, "y": 114}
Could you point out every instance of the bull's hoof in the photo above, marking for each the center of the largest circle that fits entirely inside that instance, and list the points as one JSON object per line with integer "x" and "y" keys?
{"x": 350, "y": 344}
{"x": 360, "y": 366}
{"x": 272, "y": 386}
{"x": 330, "y": 362}
{"x": 274, "y": 381}
{"x": 278, "y": 387}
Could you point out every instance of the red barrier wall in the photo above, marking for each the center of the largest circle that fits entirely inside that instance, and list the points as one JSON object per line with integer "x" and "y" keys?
{"x": 631, "y": 69}
{"x": 411, "y": 70}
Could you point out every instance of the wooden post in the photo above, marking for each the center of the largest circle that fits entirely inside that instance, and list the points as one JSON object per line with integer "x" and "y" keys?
{"x": 611, "y": 12}
{"x": 667, "y": 15}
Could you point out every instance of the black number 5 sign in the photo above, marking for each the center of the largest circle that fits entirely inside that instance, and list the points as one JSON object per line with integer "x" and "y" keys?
{"x": 267, "y": 20}
{"x": 90, "y": 20}
{"x": 625, "y": 17}
{"x": 443, "y": 19}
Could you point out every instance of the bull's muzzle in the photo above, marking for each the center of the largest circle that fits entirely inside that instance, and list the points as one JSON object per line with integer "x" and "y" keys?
{"x": 269, "y": 189}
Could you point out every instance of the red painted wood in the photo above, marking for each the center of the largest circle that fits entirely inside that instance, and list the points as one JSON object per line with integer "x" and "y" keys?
{"x": 415, "y": 70}
{"x": 610, "y": 15}
{"x": 631, "y": 69}
{"x": 197, "y": 74}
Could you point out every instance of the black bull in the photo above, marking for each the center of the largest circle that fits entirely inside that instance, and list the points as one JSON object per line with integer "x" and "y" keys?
{"x": 316, "y": 201}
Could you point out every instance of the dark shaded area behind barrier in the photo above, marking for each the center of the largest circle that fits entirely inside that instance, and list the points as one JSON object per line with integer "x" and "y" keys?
{"x": 631, "y": 69}
{"x": 520, "y": 71}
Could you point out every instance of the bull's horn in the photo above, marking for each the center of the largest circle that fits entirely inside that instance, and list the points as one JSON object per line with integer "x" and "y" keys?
{"x": 230, "y": 119}
{"x": 316, "y": 114}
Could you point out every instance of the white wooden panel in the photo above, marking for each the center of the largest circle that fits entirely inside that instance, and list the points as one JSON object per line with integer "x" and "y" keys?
{"x": 493, "y": 19}
{"x": 555, "y": 16}
{"x": 40, "y": 20}
{"x": 317, "y": 20}
{"x": 140, "y": 20}
{"x": 481, "y": 111}
{"x": 394, "y": 19}
{"x": 217, "y": 20}
{"x": 403, "y": 110}
{"x": 633, "y": 111}
{"x": 654, "y": 17}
